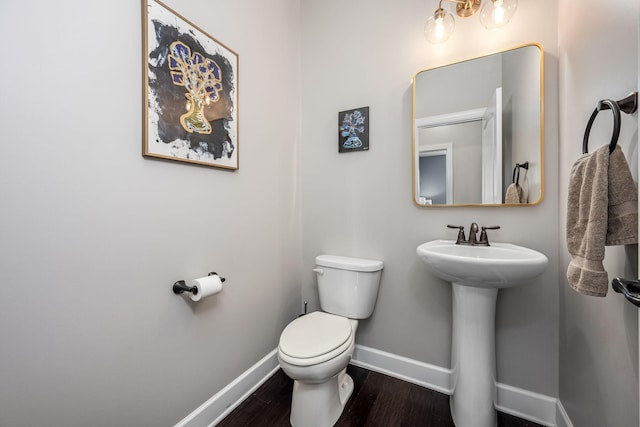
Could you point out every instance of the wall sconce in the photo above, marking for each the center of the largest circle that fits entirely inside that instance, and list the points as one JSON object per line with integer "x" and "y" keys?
{"x": 494, "y": 14}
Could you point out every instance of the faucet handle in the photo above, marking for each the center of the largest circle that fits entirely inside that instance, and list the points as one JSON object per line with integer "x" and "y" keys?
{"x": 460, "y": 228}
{"x": 483, "y": 235}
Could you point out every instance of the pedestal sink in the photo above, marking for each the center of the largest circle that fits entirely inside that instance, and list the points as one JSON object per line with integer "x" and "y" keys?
{"x": 476, "y": 273}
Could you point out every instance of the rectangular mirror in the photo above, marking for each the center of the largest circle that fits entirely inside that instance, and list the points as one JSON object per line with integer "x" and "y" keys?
{"x": 478, "y": 131}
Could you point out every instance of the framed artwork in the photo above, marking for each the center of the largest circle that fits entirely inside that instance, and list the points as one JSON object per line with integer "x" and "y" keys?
{"x": 353, "y": 130}
{"x": 190, "y": 85}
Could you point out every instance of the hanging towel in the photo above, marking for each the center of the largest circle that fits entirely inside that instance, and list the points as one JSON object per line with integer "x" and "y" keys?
{"x": 622, "y": 223}
{"x": 514, "y": 194}
{"x": 602, "y": 209}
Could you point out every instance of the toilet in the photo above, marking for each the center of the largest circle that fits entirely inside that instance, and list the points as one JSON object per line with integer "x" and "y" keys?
{"x": 315, "y": 349}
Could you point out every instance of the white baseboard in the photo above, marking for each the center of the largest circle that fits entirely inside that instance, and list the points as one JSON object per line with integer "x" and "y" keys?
{"x": 524, "y": 404}
{"x": 420, "y": 373}
{"x": 527, "y": 405}
{"x": 230, "y": 397}
{"x": 562, "y": 417}
{"x": 535, "y": 407}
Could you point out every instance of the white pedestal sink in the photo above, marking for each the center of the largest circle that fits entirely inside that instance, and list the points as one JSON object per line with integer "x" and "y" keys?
{"x": 476, "y": 273}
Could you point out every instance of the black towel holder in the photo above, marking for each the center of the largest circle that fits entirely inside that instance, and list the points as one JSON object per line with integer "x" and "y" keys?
{"x": 629, "y": 288}
{"x": 516, "y": 179}
{"x": 627, "y": 105}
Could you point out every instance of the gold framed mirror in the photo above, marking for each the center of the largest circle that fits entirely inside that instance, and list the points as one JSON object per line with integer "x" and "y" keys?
{"x": 478, "y": 131}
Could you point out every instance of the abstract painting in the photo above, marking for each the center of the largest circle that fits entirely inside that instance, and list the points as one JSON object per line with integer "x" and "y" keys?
{"x": 190, "y": 83}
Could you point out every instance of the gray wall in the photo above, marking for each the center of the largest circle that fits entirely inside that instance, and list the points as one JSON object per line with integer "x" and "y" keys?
{"x": 360, "y": 204}
{"x": 598, "y": 336}
{"x": 466, "y": 85}
{"x": 92, "y": 236}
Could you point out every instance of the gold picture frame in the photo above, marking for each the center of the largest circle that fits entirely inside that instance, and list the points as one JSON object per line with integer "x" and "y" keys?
{"x": 190, "y": 85}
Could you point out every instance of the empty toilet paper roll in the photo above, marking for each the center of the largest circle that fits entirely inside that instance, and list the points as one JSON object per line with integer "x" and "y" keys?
{"x": 206, "y": 286}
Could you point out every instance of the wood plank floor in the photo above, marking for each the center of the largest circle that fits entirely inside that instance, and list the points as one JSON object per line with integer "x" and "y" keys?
{"x": 377, "y": 401}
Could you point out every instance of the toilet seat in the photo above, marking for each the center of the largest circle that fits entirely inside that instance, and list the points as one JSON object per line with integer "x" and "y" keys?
{"x": 315, "y": 338}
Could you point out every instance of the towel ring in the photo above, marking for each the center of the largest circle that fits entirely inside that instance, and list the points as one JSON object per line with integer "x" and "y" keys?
{"x": 627, "y": 105}
{"x": 605, "y": 104}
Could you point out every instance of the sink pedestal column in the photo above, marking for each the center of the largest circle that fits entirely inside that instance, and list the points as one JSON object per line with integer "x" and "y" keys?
{"x": 473, "y": 356}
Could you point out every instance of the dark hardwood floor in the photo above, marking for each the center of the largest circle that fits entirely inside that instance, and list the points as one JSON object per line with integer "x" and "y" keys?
{"x": 377, "y": 401}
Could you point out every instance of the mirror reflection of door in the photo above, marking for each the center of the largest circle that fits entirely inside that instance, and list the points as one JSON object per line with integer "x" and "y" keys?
{"x": 477, "y": 135}
{"x": 435, "y": 186}
{"x": 466, "y": 160}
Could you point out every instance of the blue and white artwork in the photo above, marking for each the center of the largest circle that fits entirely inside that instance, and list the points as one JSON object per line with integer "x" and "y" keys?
{"x": 353, "y": 130}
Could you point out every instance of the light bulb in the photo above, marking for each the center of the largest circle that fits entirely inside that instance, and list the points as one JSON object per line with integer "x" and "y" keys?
{"x": 439, "y": 26}
{"x": 439, "y": 30}
{"x": 496, "y": 13}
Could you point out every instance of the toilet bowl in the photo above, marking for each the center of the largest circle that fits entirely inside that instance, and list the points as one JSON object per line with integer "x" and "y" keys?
{"x": 315, "y": 349}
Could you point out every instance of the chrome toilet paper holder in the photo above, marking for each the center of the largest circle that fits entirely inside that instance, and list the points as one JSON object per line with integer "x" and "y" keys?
{"x": 181, "y": 286}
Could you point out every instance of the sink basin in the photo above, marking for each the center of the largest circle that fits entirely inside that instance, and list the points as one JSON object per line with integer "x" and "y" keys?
{"x": 501, "y": 265}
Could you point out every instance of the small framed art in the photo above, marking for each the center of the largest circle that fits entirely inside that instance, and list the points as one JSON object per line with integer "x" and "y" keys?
{"x": 353, "y": 130}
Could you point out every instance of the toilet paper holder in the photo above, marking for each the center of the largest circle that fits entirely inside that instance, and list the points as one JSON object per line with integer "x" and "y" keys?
{"x": 181, "y": 286}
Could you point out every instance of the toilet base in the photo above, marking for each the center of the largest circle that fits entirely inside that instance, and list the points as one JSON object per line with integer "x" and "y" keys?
{"x": 320, "y": 405}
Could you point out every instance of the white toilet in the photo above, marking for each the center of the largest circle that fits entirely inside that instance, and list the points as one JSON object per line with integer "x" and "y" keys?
{"x": 315, "y": 349}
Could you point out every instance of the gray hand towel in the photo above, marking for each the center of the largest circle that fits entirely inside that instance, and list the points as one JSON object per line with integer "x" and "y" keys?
{"x": 602, "y": 209}
{"x": 622, "y": 221}
{"x": 514, "y": 194}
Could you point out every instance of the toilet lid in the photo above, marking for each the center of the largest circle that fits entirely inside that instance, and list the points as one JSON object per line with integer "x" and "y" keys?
{"x": 314, "y": 335}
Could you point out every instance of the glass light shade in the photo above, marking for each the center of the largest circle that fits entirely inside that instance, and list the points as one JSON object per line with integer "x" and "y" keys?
{"x": 439, "y": 26}
{"x": 496, "y": 13}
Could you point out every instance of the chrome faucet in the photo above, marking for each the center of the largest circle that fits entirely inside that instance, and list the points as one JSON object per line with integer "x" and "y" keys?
{"x": 473, "y": 231}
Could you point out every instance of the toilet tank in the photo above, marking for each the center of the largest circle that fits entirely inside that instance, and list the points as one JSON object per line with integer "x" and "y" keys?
{"x": 348, "y": 286}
